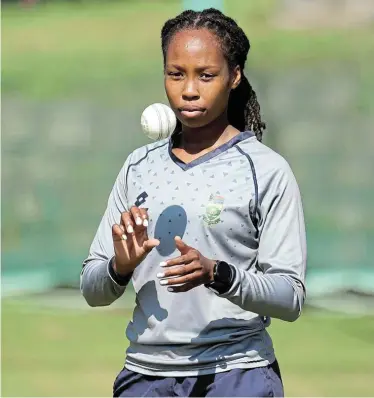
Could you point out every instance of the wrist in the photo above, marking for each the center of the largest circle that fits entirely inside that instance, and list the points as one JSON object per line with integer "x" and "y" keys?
{"x": 121, "y": 278}
{"x": 212, "y": 264}
{"x": 124, "y": 268}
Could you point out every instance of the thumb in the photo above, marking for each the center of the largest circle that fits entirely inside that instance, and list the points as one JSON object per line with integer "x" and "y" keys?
{"x": 181, "y": 246}
{"x": 150, "y": 244}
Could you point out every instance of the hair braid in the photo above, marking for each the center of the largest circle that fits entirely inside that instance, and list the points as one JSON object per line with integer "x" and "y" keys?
{"x": 243, "y": 109}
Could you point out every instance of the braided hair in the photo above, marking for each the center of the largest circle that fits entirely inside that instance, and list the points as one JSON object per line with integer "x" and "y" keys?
{"x": 243, "y": 107}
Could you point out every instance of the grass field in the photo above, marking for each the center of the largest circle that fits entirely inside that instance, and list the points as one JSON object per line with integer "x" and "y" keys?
{"x": 55, "y": 352}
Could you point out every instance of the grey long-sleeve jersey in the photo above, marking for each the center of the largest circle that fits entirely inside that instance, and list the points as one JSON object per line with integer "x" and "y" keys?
{"x": 239, "y": 203}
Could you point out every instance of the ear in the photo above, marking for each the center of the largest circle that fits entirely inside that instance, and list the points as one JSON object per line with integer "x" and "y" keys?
{"x": 236, "y": 77}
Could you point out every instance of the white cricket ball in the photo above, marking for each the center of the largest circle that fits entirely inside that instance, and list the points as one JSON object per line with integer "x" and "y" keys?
{"x": 158, "y": 121}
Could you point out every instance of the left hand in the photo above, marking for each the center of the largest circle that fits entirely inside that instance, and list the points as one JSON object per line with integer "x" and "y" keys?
{"x": 189, "y": 270}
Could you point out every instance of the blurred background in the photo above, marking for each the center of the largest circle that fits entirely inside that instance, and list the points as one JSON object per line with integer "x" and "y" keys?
{"x": 76, "y": 76}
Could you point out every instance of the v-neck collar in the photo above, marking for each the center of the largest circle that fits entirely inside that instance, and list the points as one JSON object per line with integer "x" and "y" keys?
{"x": 210, "y": 155}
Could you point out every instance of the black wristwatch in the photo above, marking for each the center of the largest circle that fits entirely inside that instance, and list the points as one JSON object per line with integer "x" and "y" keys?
{"x": 223, "y": 274}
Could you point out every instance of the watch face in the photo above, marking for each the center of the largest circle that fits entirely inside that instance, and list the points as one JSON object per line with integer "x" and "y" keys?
{"x": 223, "y": 272}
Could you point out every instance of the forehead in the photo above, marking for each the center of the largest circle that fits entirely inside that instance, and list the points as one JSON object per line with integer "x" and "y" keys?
{"x": 198, "y": 46}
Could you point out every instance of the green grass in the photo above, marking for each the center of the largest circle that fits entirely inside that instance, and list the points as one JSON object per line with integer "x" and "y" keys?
{"x": 107, "y": 51}
{"x": 55, "y": 352}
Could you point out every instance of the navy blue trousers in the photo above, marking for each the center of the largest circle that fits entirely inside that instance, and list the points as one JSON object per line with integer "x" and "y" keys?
{"x": 257, "y": 382}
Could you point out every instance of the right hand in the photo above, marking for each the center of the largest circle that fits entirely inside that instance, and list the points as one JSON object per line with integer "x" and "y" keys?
{"x": 130, "y": 240}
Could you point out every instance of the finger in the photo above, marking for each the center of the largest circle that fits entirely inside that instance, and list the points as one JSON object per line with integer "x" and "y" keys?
{"x": 183, "y": 288}
{"x": 150, "y": 244}
{"x": 185, "y": 259}
{"x": 126, "y": 221}
{"x": 177, "y": 270}
{"x": 181, "y": 246}
{"x": 118, "y": 232}
{"x": 189, "y": 278}
{"x": 136, "y": 215}
{"x": 144, "y": 216}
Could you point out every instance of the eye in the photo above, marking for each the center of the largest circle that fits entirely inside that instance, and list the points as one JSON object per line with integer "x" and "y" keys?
{"x": 175, "y": 75}
{"x": 206, "y": 77}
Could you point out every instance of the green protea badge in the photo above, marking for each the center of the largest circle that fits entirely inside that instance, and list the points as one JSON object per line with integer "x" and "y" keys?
{"x": 213, "y": 210}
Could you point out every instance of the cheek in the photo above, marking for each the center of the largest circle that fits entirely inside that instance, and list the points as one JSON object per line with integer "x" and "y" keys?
{"x": 217, "y": 96}
{"x": 171, "y": 91}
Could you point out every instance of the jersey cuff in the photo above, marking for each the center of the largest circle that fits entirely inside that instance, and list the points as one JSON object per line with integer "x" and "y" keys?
{"x": 119, "y": 280}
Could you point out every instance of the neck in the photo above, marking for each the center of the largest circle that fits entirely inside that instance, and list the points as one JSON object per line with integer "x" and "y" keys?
{"x": 214, "y": 134}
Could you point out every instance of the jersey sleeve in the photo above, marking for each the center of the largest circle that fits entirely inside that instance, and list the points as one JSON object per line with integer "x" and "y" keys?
{"x": 99, "y": 283}
{"x": 278, "y": 290}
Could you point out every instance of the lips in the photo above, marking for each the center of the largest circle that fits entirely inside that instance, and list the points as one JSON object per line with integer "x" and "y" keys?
{"x": 191, "y": 111}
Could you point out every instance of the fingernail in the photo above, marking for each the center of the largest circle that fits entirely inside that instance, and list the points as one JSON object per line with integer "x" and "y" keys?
{"x": 138, "y": 221}
{"x": 170, "y": 289}
{"x": 124, "y": 237}
{"x": 145, "y": 223}
{"x": 164, "y": 282}
{"x": 130, "y": 229}
{"x": 163, "y": 264}
{"x": 160, "y": 275}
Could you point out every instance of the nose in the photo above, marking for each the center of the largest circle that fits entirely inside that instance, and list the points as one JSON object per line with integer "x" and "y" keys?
{"x": 190, "y": 90}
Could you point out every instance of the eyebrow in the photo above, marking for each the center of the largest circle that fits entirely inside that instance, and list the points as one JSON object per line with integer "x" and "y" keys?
{"x": 200, "y": 68}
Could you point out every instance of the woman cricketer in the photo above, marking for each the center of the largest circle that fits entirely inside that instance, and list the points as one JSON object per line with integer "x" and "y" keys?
{"x": 208, "y": 225}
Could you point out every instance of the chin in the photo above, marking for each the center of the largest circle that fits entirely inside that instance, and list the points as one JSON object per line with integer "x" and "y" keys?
{"x": 193, "y": 124}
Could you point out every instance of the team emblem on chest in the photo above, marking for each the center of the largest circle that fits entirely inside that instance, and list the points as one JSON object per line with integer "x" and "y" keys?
{"x": 213, "y": 210}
